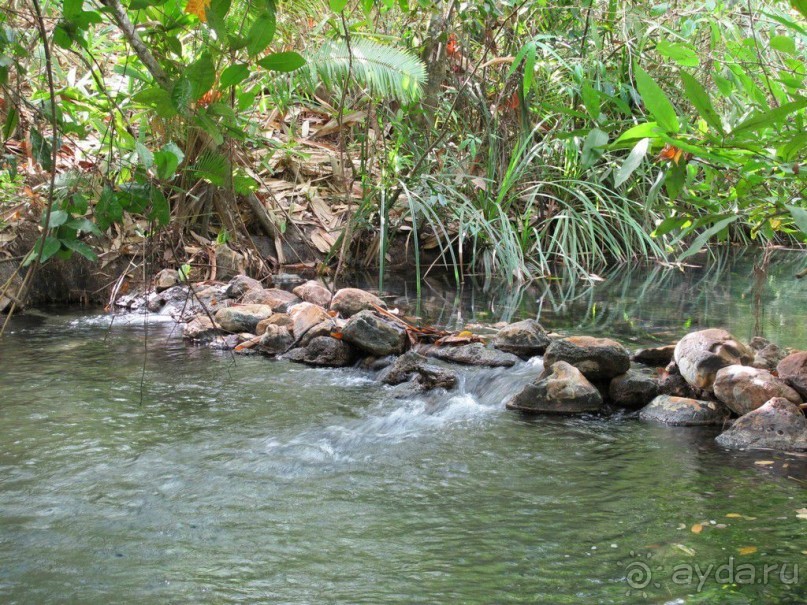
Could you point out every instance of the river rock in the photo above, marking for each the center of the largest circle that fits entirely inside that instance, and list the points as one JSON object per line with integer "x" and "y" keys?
{"x": 324, "y": 351}
{"x": 777, "y": 424}
{"x": 276, "y": 319}
{"x": 200, "y": 329}
{"x": 167, "y": 278}
{"x": 324, "y": 328}
{"x": 700, "y": 355}
{"x": 474, "y": 354}
{"x": 562, "y": 389}
{"x": 793, "y": 370}
{"x": 768, "y": 357}
{"x": 414, "y": 367}
{"x": 743, "y": 388}
{"x": 242, "y": 318}
{"x": 597, "y": 358}
{"x": 349, "y": 301}
{"x": 524, "y": 338}
{"x": 229, "y": 263}
{"x": 633, "y": 389}
{"x": 241, "y": 284}
{"x": 682, "y": 411}
{"x": 276, "y": 340}
{"x": 314, "y": 292}
{"x": 305, "y": 316}
{"x": 279, "y": 300}
{"x": 370, "y": 333}
{"x": 654, "y": 356}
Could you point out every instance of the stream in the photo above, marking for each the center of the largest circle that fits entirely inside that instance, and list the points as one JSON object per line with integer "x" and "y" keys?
{"x": 135, "y": 469}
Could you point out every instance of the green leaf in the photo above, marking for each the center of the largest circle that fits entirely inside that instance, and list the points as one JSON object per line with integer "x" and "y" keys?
{"x": 201, "y": 74}
{"x": 57, "y": 218}
{"x": 592, "y": 146}
{"x": 160, "y": 209}
{"x": 799, "y": 217}
{"x": 800, "y": 5}
{"x": 784, "y": 44}
{"x": 78, "y": 246}
{"x": 668, "y": 224}
{"x": 706, "y": 235}
{"x": 338, "y": 6}
{"x": 146, "y": 157}
{"x": 680, "y": 53}
{"x": 674, "y": 181}
{"x": 47, "y": 248}
{"x": 699, "y": 98}
{"x": 41, "y": 149}
{"x": 167, "y": 160}
{"x": 261, "y": 33}
{"x": 656, "y": 101}
{"x": 209, "y": 126}
{"x": 284, "y": 62}
{"x": 158, "y": 99}
{"x": 10, "y": 125}
{"x": 768, "y": 118}
{"x": 83, "y": 224}
{"x": 234, "y": 74}
{"x": 529, "y": 69}
{"x": 591, "y": 100}
{"x": 640, "y": 131}
{"x": 182, "y": 95}
{"x": 632, "y": 162}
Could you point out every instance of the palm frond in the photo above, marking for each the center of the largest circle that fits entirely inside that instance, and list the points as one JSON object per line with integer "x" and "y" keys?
{"x": 380, "y": 69}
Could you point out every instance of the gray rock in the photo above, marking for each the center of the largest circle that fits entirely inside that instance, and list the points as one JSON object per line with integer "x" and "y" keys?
{"x": 596, "y": 358}
{"x": 768, "y": 357}
{"x": 167, "y": 278}
{"x": 276, "y": 340}
{"x": 474, "y": 354}
{"x": 793, "y": 370}
{"x": 700, "y": 355}
{"x": 200, "y": 329}
{"x": 180, "y": 303}
{"x": 242, "y": 318}
{"x": 778, "y": 424}
{"x": 524, "y": 338}
{"x": 229, "y": 263}
{"x": 349, "y": 301}
{"x": 241, "y": 284}
{"x": 324, "y": 351}
{"x": 415, "y": 367}
{"x": 672, "y": 383}
{"x": 633, "y": 389}
{"x": 324, "y": 328}
{"x": 654, "y": 356}
{"x": 743, "y": 388}
{"x": 279, "y": 300}
{"x": 682, "y": 411}
{"x": 370, "y": 333}
{"x": 561, "y": 390}
{"x": 314, "y": 292}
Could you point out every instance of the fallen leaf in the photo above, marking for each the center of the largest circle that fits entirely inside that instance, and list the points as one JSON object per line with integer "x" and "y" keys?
{"x": 764, "y": 462}
{"x": 697, "y": 528}
{"x": 734, "y": 516}
{"x": 801, "y": 513}
{"x": 747, "y": 550}
{"x": 685, "y": 549}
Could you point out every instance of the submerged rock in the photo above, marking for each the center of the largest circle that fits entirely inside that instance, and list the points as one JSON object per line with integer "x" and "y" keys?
{"x": 370, "y": 333}
{"x": 314, "y": 292}
{"x": 596, "y": 358}
{"x": 793, "y": 370}
{"x": 633, "y": 389}
{"x": 349, "y": 301}
{"x": 241, "y": 284}
{"x": 279, "y": 300}
{"x": 524, "y": 338}
{"x": 700, "y": 355}
{"x": 778, "y": 424}
{"x": 682, "y": 411}
{"x": 242, "y": 318}
{"x": 655, "y": 356}
{"x": 324, "y": 351}
{"x": 414, "y": 367}
{"x": 474, "y": 354}
{"x": 200, "y": 329}
{"x": 743, "y": 388}
{"x": 560, "y": 390}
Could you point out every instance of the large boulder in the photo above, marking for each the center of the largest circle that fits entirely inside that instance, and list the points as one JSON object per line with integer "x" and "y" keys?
{"x": 414, "y": 367}
{"x": 370, "y": 333}
{"x": 200, "y": 329}
{"x": 279, "y": 300}
{"x": 324, "y": 351}
{"x": 349, "y": 301}
{"x": 793, "y": 370}
{"x": 314, "y": 292}
{"x": 700, "y": 355}
{"x": 597, "y": 358}
{"x": 242, "y": 318}
{"x": 682, "y": 411}
{"x": 275, "y": 340}
{"x": 241, "y": 284}
{"x": 561, "y": 389}
{"x": 633, "y": 389}
{"x": 474, "y": 354}
{"x": 305, "y": 316}
{"x": 743, "y": 388}
{"x": 524, "y": 338}
{"x": 654, "y": 356}
{"x": 777, "y": 424}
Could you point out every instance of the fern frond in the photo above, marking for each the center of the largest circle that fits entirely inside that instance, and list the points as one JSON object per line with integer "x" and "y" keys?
{"x": 382, "y": 70}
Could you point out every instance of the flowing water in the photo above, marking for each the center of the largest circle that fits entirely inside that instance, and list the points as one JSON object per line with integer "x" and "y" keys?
{"x": 136, "y": 470}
